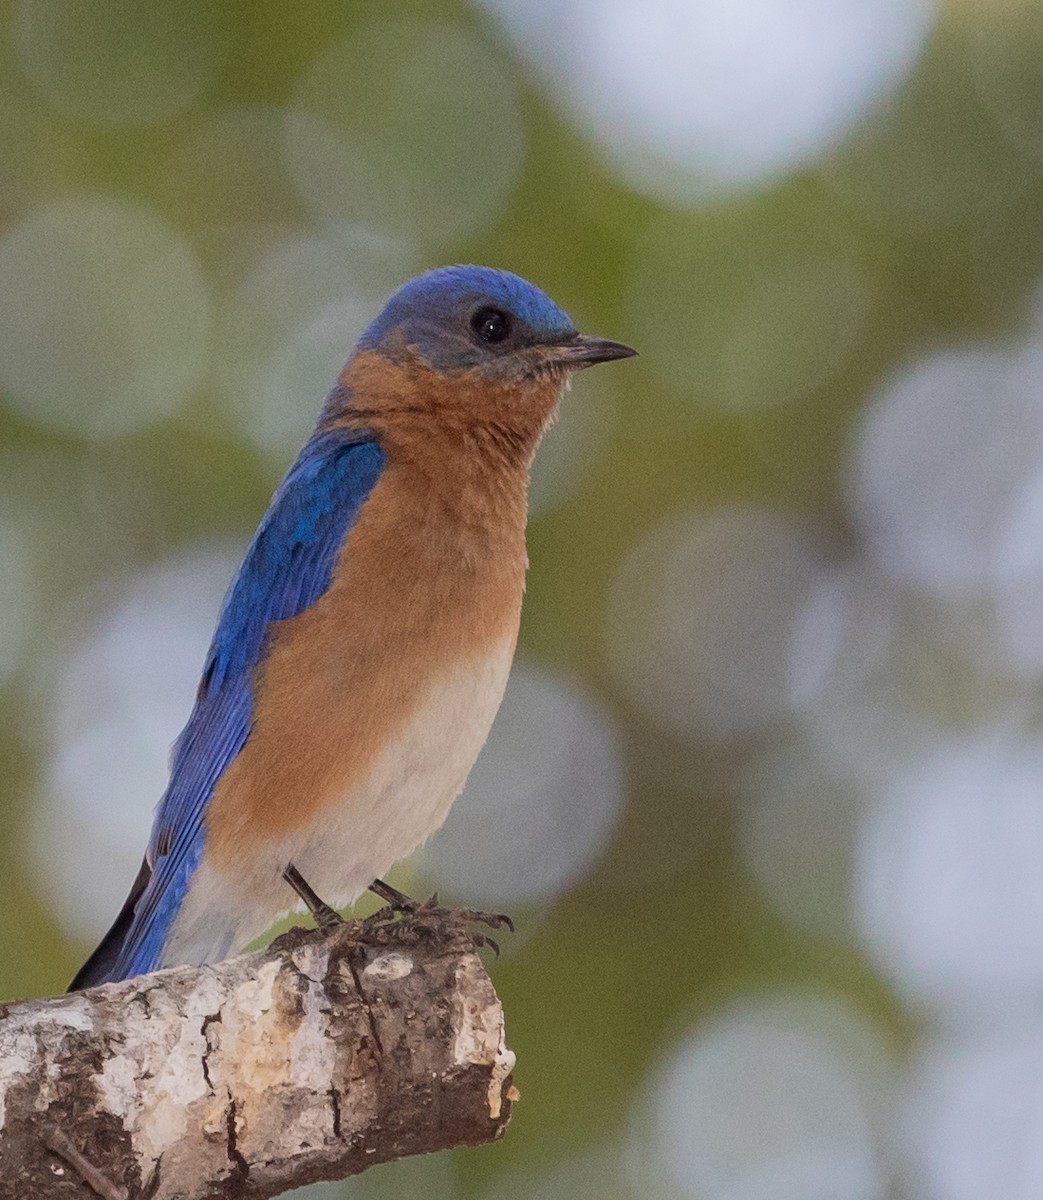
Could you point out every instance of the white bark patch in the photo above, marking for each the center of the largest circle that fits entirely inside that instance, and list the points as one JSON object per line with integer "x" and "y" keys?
{"x": 312, "y": 1054}
{"x": 18, "y": 1062}
{"x": 76, "y": 1018}
{"x": 503, "y": 1065}
{"x": 258, "y": 1027}
{"x": 480, "y": 1036}
{"x": 177, "y": 1065}
{"x": 255, "y": 995}
{"x": 312, "y": 961}
{"x": 388, "y": 967}
{"x": 118, "y": 1086}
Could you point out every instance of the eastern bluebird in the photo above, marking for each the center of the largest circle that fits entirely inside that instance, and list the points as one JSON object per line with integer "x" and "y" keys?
{"x": 363, "y": 648}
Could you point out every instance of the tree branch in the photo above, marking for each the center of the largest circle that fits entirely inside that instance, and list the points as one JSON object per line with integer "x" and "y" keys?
{"x": 314, "y": 1059}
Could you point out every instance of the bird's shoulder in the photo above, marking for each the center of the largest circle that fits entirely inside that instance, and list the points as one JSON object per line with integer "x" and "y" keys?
{"x": 292, "y": 555}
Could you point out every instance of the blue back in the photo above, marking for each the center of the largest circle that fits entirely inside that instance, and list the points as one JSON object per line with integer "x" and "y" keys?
{"x": 288, "y": 566}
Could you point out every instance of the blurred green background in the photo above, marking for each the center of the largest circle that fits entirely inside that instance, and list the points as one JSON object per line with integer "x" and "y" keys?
{"x": 766, "y": 794}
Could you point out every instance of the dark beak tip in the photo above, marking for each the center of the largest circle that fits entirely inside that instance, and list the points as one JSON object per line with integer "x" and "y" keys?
{"x": 591, "y": 350}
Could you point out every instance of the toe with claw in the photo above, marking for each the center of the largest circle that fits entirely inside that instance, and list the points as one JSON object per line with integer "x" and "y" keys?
{"x": 399, "y": 904}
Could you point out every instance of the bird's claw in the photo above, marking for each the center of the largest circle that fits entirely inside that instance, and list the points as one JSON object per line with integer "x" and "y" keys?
{"x": 493, "y": 920}
{"x": 480, "y": 940}
{"x": 431, "y": 908}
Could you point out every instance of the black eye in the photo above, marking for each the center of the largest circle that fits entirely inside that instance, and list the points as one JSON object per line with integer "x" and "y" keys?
{"x": 491, "y": 325}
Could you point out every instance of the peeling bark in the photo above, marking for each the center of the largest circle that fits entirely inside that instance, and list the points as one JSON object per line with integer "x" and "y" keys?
{"x": 314, "y": 1059}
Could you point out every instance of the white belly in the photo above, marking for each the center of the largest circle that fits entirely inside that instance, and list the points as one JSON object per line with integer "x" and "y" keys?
{"x": 411, "y": 788}
{"x": 358, "y": 837}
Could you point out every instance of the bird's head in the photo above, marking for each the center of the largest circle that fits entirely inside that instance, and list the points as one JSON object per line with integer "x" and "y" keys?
{"x": 489, "y": 322}
{"x": 470, "y": 350}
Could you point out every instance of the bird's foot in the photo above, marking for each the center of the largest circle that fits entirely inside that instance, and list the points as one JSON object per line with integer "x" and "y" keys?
{"x": 468, "y": 916}
{"x": 398, "y": 904}
{"x": 326, "y": 918}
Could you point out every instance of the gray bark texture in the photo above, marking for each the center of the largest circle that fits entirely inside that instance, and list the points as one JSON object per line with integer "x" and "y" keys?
{"x": 314, "y": 1059}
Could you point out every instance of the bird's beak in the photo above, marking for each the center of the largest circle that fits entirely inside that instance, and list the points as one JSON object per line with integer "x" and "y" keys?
{"x": 584, "y": 351}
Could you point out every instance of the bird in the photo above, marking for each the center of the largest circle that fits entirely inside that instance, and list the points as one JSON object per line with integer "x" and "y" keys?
{"x": 363, "y": 647}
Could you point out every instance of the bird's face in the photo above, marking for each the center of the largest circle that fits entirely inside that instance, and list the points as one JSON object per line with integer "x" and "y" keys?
{"x": 465, "y": 351}
{"x": 488, "y": 323}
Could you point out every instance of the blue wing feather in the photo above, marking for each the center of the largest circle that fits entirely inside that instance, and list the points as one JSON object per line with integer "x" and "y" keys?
{"x": 287, "y": 567}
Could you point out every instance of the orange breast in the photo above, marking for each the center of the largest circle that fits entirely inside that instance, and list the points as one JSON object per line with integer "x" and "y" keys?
{"x": 432, "y": 573}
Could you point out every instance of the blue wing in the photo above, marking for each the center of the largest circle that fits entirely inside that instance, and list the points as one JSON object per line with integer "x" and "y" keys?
{"x": 287, "y": 568}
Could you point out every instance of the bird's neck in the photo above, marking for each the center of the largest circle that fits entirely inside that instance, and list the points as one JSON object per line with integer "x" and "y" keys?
{"x": 459, "y": 446}
{"x": 404, "y": 400}
{"x": 461, "y": 426}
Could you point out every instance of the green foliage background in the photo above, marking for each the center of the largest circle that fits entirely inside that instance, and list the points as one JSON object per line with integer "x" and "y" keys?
{"x": 943, "y": 216}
